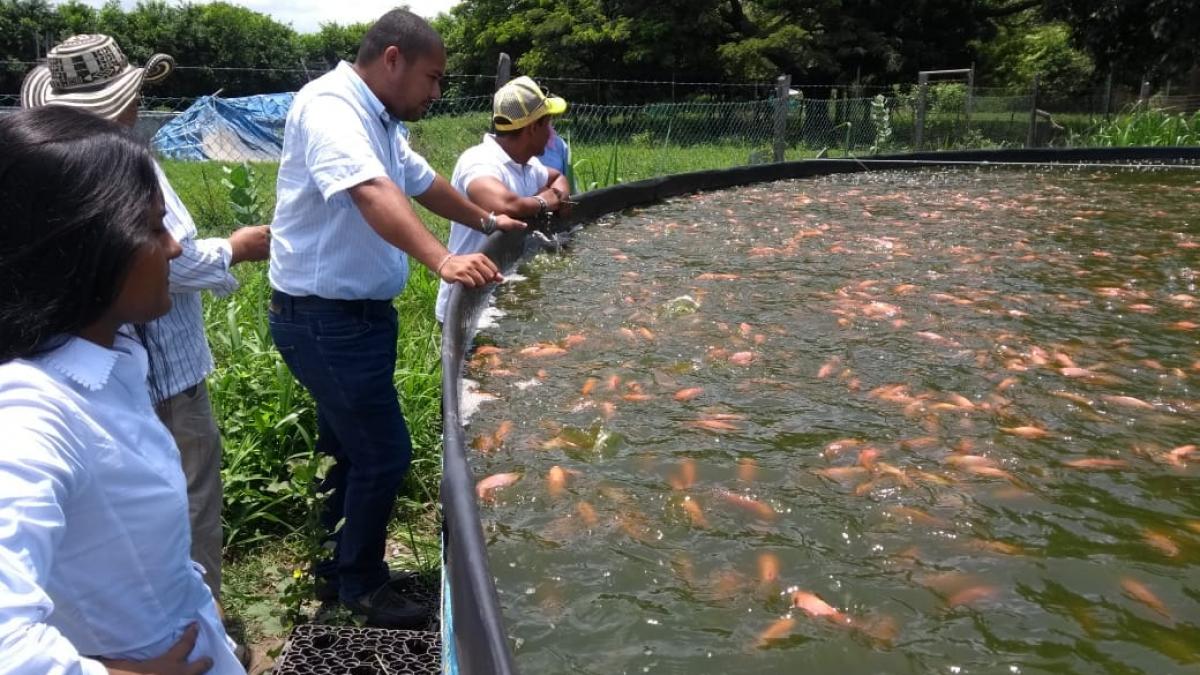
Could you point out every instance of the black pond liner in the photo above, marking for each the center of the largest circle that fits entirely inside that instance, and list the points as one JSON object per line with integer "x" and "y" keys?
{"x": 472, "y": 626}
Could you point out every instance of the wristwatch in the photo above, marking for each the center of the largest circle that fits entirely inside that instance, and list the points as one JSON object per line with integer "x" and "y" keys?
{"x": 543, "y": 207}
{"x": 488, "y": 225}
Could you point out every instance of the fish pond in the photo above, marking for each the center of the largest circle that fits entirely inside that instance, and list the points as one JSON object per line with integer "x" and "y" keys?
{"x": 909, "y": 422}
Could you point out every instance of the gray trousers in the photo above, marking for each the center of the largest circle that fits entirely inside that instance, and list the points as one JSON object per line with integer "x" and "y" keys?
{"x": 189, "y": 417}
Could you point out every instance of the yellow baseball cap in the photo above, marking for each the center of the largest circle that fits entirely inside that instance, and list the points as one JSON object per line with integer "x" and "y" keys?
{"x": 521, "y": 102}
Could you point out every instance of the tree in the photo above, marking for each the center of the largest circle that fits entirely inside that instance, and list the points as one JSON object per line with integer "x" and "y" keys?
{"x": 1027, "y": 48}
{"x": 1135, "y": 39}
{"x": 332, "y": 43}
{"x": 27, "y": 29}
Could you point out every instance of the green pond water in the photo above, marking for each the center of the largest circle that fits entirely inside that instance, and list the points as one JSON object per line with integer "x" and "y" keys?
{"x": 927, "y": 422}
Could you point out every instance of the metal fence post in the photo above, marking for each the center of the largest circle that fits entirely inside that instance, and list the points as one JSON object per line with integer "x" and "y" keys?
{"x": 1031, "y": 138}
{"x": 970, "y": 94}
{"x": 922, "y": 98}
{"x": 1144, "y": 94}
{"x": 1108, "y": 95}
{"x": 782, "y": 86}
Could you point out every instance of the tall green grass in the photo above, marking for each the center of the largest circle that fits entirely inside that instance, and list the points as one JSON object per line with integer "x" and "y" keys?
{"x": 1144, "y": 126}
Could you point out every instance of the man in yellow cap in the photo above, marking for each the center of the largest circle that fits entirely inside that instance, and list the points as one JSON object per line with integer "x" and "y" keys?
{"x": 502, "y": 174}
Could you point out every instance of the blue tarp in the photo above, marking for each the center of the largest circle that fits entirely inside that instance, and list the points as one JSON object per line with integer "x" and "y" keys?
{"x": 227, "y": 129}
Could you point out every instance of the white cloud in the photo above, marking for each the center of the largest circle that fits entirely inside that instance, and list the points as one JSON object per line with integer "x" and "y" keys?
{"x": 306, "y": 16}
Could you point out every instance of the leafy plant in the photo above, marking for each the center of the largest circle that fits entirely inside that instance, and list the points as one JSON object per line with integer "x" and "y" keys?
{"x": 881, "y": 118}
{"x": 242, "y": 183}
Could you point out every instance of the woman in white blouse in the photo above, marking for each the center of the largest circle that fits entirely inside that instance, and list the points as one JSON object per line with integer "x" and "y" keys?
{"x": 95, "y": 575}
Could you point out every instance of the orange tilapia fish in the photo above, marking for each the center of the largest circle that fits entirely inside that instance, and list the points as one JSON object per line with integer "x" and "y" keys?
{"x": 781, "y": 628}
{"x": 916, "y": 516}
{"x": 937, "y": 339}
{"x": 1161, "y": 542}
{"x": 556, "y": 480}
{"x": 842, "y": 473}
{"x": 588, "y": 386}
{"x": 747, "y": 469}
{"x": 503, "y": 430}
{"x": 1127, "y": 401}
{"x": 688, "y": 393}
{"x": 815, "y": 607}
{"x": 837, "y": 447}
{"x": 694, "y": 513}
{"x": 741, "y": 358}
{"x": 542, "y": 350}
{"x": 768, "y": 567}
{"x": 972, "y": 595}
{"x": 1097, "y": 464}
{"x": 759, "y": 509}
{"x": 996, "y": 546}
{"x": 709, "y": 424}
{"x": 1026, "y": 431}
{"x": 587, "y": 513}
{"x": 573, "y": 340}
{"x": 1140, "y": 592}
{"x": 485, "y": 487}
{"x": 829, "y": 367}
{"x": 1179, "y": 456}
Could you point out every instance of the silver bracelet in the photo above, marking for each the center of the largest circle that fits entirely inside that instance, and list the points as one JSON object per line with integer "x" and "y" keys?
{"x": 488, "y": 225}
{"x": 543, "y": 207}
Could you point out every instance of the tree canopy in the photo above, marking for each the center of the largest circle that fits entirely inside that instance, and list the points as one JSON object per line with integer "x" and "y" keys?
{"x": 223, "y": 46}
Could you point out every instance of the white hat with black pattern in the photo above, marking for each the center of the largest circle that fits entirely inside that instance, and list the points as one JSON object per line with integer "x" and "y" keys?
{"x": 90, "y": 72}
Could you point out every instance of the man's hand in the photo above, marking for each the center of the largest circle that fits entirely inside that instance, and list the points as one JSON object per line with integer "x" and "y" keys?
{"x": 173, "y": 662}
{"x": 250, "y": 243}
{"x": 506, "y": 224}
{"x": 561, "y": 204}
{"x": 471, "y": 270}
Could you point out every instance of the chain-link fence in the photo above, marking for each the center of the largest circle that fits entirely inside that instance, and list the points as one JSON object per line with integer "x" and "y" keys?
{"x": 713, "y": 128}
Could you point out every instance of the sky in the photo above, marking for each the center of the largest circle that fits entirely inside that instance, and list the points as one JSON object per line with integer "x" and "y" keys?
{"x": 306, "y": 16}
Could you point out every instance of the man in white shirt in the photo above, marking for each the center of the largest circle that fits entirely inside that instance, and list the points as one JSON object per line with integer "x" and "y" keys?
{"x": 342, "y": 235}
{"x": 90, "y": 72}
{"x": 503, "y": 173}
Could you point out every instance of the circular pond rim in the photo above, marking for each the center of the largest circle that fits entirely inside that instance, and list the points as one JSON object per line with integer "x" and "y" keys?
{"x": 474, "y": 638}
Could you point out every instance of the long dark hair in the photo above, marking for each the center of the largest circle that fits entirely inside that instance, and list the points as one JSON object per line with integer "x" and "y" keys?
{"x": 77, "y": 194}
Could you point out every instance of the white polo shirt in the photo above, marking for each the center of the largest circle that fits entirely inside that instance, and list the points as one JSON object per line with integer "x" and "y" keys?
{"x": 337, "y": 135}
{"x": 489, "y": 160}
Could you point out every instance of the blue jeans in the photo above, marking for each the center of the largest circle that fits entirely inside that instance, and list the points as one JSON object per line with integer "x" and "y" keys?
{"x": 344, "y": 353}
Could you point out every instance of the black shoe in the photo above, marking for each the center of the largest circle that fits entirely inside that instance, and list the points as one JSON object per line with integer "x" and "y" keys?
{"x": 326, "y": 588}
{"x": 385, "y": 608}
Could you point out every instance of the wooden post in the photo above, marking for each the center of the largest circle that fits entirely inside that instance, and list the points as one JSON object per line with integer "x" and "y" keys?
{"x": 782, "y": 86}
{"x": 1031, "y": 138}
{"x": 503, "y": 70}
{"x": 922, "y": 98}
{"x": 503, "y": 75}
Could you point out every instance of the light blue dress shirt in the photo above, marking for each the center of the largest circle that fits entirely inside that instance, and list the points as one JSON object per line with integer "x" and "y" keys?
{"x": 94, "y": 538}
{"x": 338, "y": 135}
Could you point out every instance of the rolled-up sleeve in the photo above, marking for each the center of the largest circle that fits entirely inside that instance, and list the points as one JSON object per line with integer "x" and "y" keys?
{"x": 338, "y": 151}
{"x": 203, "y": 266}
{"x": 37, "y": 472}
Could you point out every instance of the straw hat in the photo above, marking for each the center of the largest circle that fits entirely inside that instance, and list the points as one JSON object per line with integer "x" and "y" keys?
{"x": 90, "y": 72}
